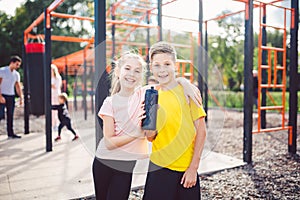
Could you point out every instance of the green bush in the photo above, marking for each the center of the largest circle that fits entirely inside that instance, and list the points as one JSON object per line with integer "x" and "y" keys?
{"x": 230, "y": 99}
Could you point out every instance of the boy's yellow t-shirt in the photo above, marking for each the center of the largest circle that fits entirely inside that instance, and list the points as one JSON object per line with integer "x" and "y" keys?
{"x": 173, "y": 146}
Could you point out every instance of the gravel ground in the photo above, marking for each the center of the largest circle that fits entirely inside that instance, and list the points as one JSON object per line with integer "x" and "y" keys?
{"x": 274, "y": 174}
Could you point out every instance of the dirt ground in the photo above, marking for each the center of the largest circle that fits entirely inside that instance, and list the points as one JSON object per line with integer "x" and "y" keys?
{"x": 273, "y": 174}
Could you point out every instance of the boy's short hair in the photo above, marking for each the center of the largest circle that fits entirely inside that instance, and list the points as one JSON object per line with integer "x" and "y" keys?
{"x": 63, "y": 96}
{"x": 14, "y": 59}
{"x": 162, "y": 47}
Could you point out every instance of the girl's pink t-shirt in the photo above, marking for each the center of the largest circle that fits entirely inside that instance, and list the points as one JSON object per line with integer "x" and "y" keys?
{"x": 125, "y": 111}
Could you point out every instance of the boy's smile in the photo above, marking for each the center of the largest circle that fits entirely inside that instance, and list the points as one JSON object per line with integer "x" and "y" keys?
{"x": 163, "y": 68}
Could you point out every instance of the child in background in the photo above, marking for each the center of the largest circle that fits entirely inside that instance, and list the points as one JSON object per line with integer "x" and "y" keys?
{"x": 63, "y": 116}
{"x": 179, "y": 140}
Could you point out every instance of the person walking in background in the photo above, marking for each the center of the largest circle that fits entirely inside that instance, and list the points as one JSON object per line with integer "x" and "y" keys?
{"x": 9, "y": 81}
{"x": 178, "y": 142}
{"x": 56, "y": 83}
{"x": 63, "y": 116}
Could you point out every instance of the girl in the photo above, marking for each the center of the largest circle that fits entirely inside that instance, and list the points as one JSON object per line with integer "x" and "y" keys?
{"x": 123, "y": 142}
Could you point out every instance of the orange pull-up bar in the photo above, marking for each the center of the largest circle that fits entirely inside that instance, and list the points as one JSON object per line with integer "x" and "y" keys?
{"x": 36, "y": 22}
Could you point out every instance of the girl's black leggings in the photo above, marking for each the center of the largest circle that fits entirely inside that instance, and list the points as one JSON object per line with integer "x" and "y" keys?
{"x": 112, "y": 179}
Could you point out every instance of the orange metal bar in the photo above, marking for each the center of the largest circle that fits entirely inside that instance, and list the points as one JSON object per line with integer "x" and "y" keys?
{"x": 271, "y": 107}
{"x": 183, "y": 69}
{"x": 109, "y": 21}
{"x": 272, "y": 4}
{"x": 293, "y": 19}
{"x": 54, "y": 5}
{"x": 133, "y": 29}
{"x": 275, "y": 27}
{"x": 272, "y": 86}
{"x": 275, "y": 69}
{"x": 224, "y": 16}
{"x": 259, "y": 68}
{"x": 270, "y": 67}
{"x": 133, "y": 9}
{"x": 62, "y": 38}
{"x": 264, "y": 66}
{"x": 34, "y": 23}
{"x": 281, "y": 107}
{"x": 271, "y": 129}
{"x": 67, "y": 16}
{"x": 272, "y": 48}
{"x": 284, "y": 70}
{"x": 48, "y": 19}
{"x": 290, "y": 135}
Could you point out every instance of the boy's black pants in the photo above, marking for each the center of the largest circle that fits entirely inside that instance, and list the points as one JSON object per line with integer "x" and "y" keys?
{"x": 164, "y": 184}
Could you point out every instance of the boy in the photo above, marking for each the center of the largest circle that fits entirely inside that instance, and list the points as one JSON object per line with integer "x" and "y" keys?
{"x": 63, "y": 116}
{"x": 178, "y": 142}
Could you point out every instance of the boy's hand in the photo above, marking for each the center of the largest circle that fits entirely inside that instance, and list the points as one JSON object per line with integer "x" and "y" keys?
{"x": 150, "y": 134}
{"x": 189, "y": 178}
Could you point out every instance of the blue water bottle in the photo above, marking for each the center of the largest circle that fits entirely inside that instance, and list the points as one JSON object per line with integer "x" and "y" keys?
{"x": 151, "y": 100}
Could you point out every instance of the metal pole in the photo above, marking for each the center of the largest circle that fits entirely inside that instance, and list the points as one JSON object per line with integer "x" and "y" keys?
{"x": 47, "y": 79}
{"x": 148, "y": 45}
{"x": 206, "y": 73}
{"x": 26, "y": 103}
{"x": 100, "y": 62}
{"x": 92, "y": 89}
{"x": 159, "y": 18}
{"x": 84, "y": 92}
{"x": 75, "y": 91}
{"x": 248, "y": 82}
{"x": 200, "y": 53}
{"x": 264, "y": 73}
{"x": 294, "y": 78}
{"x": 66, "y": 78}
{"x": 113, "y": 31}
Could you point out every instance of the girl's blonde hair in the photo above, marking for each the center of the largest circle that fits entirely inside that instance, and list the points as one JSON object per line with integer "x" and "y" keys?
{"x": 115, "y": 82}
{"x": 55, "y": 70}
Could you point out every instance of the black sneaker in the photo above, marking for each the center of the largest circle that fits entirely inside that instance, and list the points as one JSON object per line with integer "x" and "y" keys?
{"x": 16, "y": 136}
{"x": 75, "y": 138}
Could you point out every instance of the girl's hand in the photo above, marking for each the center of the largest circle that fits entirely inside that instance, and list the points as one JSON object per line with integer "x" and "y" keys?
{"x": 191, "y": 91}
{"x": 142, "y": 113}
{"x": 189, "y": 178}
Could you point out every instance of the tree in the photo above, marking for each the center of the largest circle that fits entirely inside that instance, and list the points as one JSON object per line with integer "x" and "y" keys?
{"x": 226, "y": 51}
{"x": 12, "y": 28}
